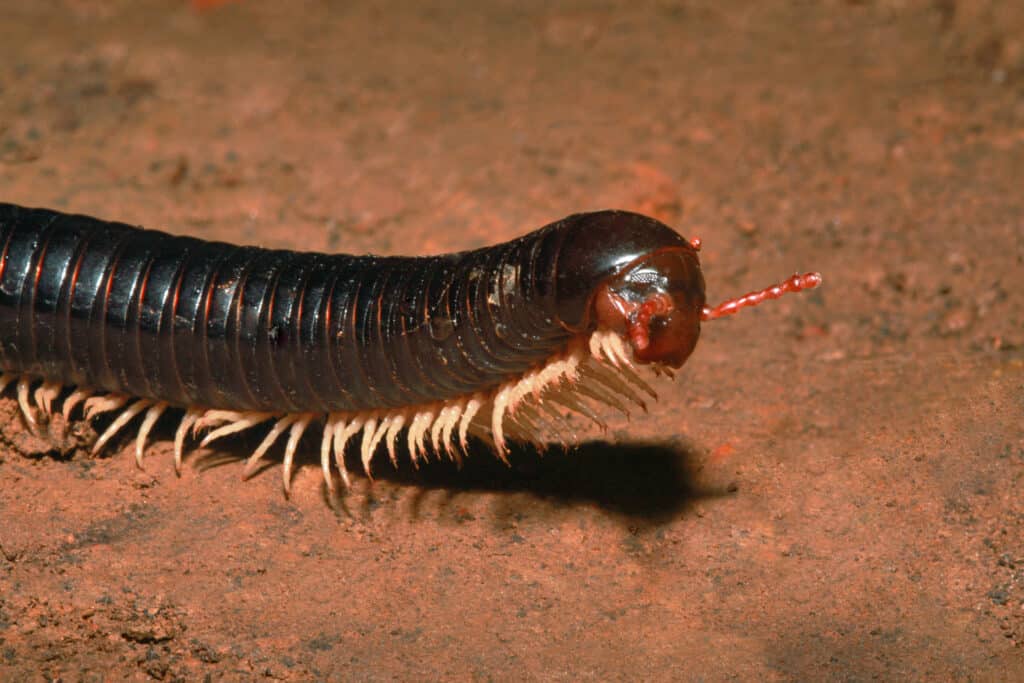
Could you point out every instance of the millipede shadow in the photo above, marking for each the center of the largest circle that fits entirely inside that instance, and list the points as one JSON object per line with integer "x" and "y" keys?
{"x": 646, "y": 481}
{"x": 652, "y": 482}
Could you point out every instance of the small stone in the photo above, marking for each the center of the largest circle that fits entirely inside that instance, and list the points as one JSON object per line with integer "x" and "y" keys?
{"x": 999, "y": 595}
{"x": 955, "y": 321}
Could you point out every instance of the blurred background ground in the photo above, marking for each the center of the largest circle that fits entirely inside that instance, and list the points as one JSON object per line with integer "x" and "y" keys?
{"x": 831, "y": 489}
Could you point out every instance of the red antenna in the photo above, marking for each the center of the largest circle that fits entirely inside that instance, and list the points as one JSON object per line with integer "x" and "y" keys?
{"x": 797, "y": 283}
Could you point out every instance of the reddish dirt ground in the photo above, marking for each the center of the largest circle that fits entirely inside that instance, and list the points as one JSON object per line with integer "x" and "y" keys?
{"x": 833, "y": 488}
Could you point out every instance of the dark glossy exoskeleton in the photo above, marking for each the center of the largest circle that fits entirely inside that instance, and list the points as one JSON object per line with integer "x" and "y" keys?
{"x": 194, "y": 323}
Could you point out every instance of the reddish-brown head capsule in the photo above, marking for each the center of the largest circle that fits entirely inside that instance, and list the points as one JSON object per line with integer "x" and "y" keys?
{"x": 633, "y": 275}
{"x": 656, "y": 302}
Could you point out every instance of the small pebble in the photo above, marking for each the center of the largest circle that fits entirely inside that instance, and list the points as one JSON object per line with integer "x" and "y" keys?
{"x": 956, "y": 321}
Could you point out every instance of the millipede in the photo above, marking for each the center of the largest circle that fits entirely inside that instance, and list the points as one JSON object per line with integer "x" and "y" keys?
{"x": 415, "y": 353}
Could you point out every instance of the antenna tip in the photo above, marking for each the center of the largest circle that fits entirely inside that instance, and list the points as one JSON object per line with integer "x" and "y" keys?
{"x": 808, "y": 280}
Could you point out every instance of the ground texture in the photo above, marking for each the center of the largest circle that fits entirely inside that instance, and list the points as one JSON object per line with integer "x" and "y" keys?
{"x": 833, "y": 488}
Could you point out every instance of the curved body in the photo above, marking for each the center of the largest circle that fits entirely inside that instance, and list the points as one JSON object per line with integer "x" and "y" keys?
{"x": 193, "y": 323}
{"x": 497, "y": 342}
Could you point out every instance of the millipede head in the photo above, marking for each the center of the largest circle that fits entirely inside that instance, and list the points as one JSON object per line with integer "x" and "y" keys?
{"x": 633, "y": 275}
{"x": 656, "y": 302}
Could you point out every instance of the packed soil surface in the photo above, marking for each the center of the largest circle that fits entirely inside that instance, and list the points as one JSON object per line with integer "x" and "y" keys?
{"x": 831, "y": 488}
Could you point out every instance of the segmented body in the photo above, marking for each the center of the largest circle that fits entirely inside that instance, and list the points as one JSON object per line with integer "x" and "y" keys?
{"x": 487, "y": 342}
{"x": 205, "y": 323}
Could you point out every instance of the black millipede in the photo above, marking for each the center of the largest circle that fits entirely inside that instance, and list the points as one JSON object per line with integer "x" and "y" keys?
{"x": 498, "y": 342}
